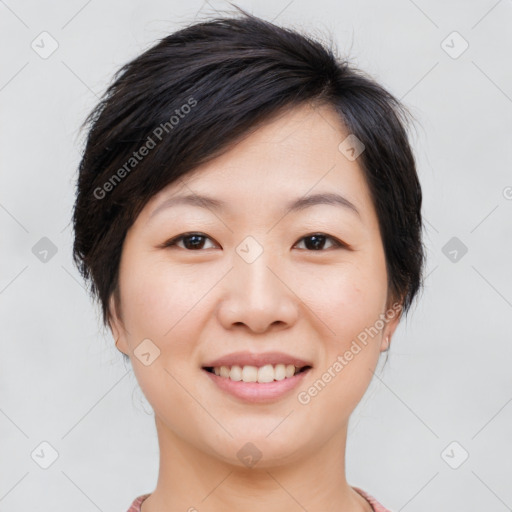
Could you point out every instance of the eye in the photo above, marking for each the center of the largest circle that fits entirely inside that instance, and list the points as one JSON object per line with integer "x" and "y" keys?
{"x": 196, "y": 241}
{"x": 316, "y": 242}
{"x": 191, "y": 241}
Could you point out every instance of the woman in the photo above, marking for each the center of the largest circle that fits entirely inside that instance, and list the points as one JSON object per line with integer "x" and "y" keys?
{"x": 248, "y": 216}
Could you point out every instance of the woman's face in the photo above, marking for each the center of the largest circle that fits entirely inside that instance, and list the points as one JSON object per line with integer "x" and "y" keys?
{"x": 255, "y": 280}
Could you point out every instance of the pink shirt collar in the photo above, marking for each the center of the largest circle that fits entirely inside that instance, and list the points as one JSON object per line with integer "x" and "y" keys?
{"x": 377, "y": 507}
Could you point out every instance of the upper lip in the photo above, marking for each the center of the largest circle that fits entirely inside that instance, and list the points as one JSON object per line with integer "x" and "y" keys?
{"x": 253, "y": 359}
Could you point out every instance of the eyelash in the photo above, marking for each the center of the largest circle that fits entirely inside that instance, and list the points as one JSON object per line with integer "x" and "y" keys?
{"x": 337, "y": 244}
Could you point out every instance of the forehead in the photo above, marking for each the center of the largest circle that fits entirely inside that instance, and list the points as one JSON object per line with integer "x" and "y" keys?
{"x": 295, "y": 154}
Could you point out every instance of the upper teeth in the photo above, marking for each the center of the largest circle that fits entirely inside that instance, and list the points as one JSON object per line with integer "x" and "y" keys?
{"x": 266, "y": 373}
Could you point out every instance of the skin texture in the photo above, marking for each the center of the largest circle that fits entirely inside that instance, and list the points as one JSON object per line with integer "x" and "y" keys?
{"x": 198, "y": 304}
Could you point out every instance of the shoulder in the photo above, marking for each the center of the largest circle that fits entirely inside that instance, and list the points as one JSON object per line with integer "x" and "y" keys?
{"x": 377, "y": 507}
{"x": 137, "y": 502}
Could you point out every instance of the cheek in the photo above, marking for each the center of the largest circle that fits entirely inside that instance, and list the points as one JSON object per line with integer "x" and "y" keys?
{"x": 348, "y": 301}
{"x": 166, "y": 303}
{"x": 349, "y": 298}
{"x": 162, "y": 305}
{"x": 155, "y": 296}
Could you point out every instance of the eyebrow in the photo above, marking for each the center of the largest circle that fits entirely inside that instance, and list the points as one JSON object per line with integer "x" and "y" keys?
{"x": 211, "y": 203}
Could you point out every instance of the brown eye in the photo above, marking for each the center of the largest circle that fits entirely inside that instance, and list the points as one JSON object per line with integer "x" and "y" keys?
{"x": 191, "y": 241}
{"x": 316, "y": 242}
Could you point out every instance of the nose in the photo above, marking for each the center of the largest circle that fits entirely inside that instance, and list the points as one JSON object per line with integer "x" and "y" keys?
{"x": 257, "y": 296}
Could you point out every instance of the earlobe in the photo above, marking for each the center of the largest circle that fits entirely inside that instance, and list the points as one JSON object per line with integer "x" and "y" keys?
{"x": 391, "y": 325}
{"x": 115, "y": 328}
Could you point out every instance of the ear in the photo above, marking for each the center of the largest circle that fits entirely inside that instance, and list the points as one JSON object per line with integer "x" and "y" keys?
{"x": 393, "y": 314}
{"x": 116, "y": 326}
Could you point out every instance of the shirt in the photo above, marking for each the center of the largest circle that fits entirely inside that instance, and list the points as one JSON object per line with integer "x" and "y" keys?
{"x": 377, "y": 507}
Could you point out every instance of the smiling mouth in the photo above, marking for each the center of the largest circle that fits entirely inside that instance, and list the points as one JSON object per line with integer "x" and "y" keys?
{"x": 264, "y": 374}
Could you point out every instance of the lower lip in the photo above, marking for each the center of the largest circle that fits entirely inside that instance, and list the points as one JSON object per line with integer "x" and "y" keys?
{"x": 254, "y": 392}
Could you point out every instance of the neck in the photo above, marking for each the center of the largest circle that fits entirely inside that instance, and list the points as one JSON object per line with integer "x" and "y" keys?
{"x": 190, "y": 479}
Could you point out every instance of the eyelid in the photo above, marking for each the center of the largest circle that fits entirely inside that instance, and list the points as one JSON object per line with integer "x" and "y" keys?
{"x": 338, "y": 244}
{"x": 173, "y": 241}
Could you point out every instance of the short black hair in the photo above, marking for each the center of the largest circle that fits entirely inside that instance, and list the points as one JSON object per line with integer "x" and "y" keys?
{"x": 195, "y": 93}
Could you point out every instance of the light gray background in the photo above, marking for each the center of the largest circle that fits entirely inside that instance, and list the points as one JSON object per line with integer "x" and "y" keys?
{"x": 448, "y": 376}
